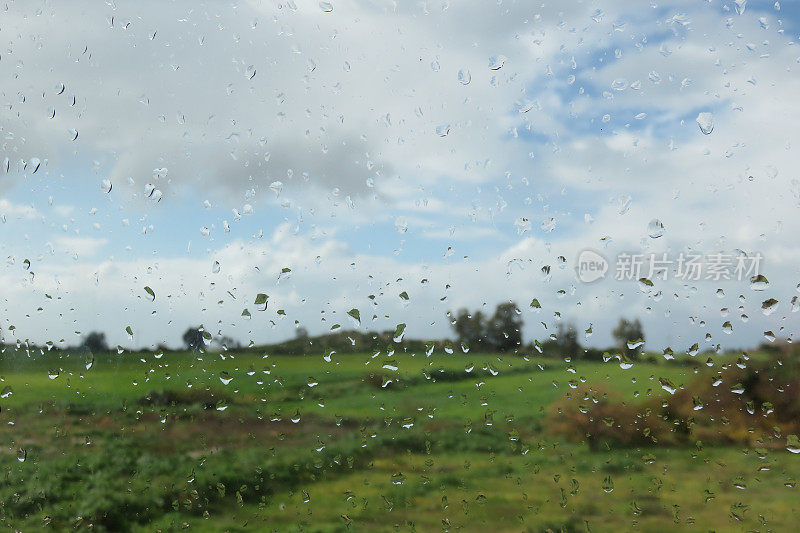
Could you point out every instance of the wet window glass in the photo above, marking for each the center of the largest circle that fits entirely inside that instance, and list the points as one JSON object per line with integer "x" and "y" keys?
{"x": 373, "y": 265}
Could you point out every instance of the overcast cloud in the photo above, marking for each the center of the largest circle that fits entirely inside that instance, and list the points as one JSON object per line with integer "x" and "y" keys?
{"x": 447, "y": 149}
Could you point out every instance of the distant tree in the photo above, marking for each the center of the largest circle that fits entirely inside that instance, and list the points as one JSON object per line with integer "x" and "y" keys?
{"x": 193, "y": 338}
{"x": 228, "y": 343}
{"x": 567, "y": 341}
{"x": 470, "y": 328}
{"x": 627, "y": 333}
{"x": 95, "y": 341}
{"x": 504, "y": 329}
{"x": 301, "y": 333}
{"x": 163, "y": 348}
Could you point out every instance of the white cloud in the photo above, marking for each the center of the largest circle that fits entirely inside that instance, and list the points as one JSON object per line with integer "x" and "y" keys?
{"x": 361, "y": 116}
{"x": 81, "y": 246}
{"x": 10, "y": 210}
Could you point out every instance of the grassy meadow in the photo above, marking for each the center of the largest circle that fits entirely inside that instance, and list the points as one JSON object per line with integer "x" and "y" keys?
{"x": 366, "y": 442}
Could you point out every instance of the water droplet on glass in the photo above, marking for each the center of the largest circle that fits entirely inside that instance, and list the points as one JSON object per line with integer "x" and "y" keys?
{"x": 769, "y": 306}
{"x": 759, "y": 282}
{"x": 326, "y": 7}
{"x": 706, "y": 122}
{"x": 399, "y": 332}
{"x": 667, "y": 385}
{"x": 497, "y": 62}
{"x": 655, "y": 228}
{"x": 355, "y": 315}
{"x": 793, "y": 443}
{"x": 624, "y": 204}
{"x": 464, "y": 77}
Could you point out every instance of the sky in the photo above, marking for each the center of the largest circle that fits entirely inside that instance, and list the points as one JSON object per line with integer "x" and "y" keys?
{"x": 335, "y": 155}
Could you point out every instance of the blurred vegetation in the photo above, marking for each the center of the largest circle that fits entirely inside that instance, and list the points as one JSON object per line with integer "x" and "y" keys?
{"x": 383, "y": 432}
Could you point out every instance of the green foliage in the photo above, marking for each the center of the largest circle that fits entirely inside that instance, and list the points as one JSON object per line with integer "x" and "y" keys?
{"x": 502, "y": 332}
{"x": 470, "y": 328}
{"x": 504, "y": 329}
{"x": 95, "y": 342}
{"x": 193, "y": 339}
{"x": 627, "y": 334}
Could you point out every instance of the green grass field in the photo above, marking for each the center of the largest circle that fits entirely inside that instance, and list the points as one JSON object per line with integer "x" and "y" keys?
{"x": 357, "y": 442}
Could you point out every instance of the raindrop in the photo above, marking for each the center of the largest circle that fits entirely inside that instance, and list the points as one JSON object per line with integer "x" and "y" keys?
{"x": 464, "y": 77}
{"x": 106, "y": 186}
{"x": 150, "y": 293}
{"x": 655, "y": 228}
{"x": 769, "y": 306}
{"x": 497, "y": 62}
{"x": 793, "y": 443}
{"x": 355, "y": 315}
{"x": 326, "y": 7}
{"x": 399, "y": 332}
{"x": 276, "y": 187}
{"x": 759, "y": 282}
{"x": 624, "y": 204}
{"x": 706, "y": 122}
{"x": 667, "y": 385}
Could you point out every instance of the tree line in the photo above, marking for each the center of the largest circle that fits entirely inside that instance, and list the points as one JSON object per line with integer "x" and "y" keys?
{"x": 502, "y": 332}
{"x": 474, "y": 331}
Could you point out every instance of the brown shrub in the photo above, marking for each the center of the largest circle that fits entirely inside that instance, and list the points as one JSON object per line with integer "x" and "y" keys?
{"x": 599, "y": 417}
{"x": 746, "y": 403}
